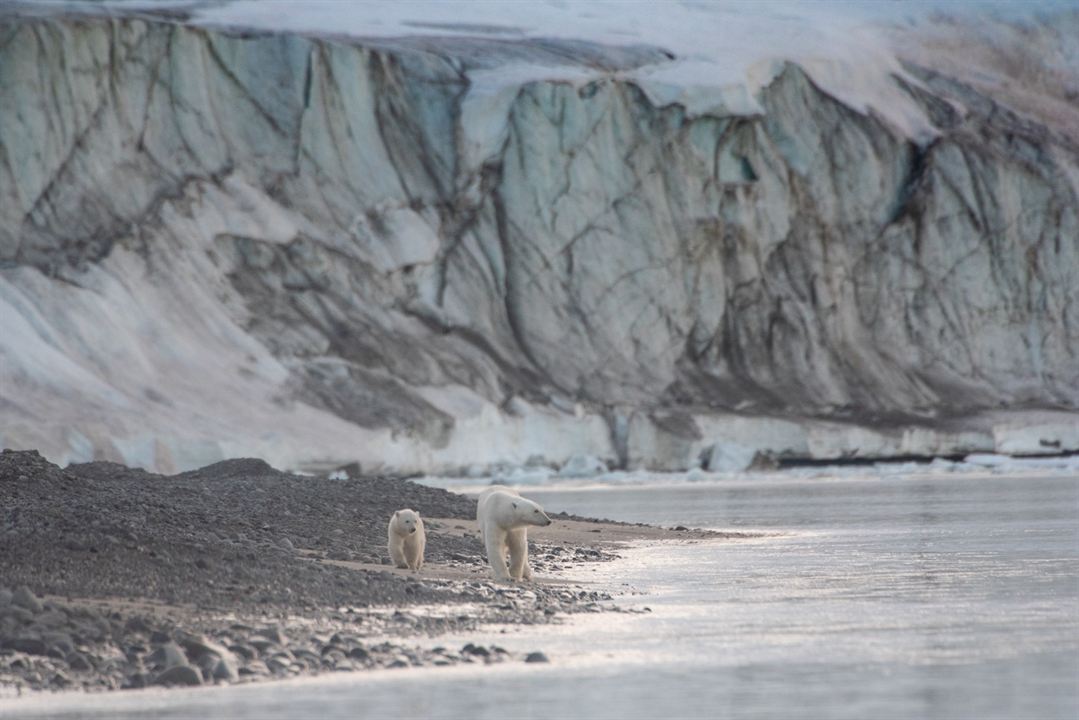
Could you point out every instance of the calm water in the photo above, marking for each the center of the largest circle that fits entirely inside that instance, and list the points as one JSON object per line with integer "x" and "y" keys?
{"x": 904, "y": 597}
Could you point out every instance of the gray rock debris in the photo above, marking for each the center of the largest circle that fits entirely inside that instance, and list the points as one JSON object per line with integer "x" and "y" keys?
{"x": 168, "y": 655}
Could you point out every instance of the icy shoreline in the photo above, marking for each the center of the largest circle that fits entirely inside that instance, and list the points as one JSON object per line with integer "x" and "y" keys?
{"x": 972, "y": 465}
{"x": 486, "y": 440}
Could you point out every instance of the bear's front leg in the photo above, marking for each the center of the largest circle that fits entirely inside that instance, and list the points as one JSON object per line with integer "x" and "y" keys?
{"x": 397, "y": 552}
{"x": 494, "y": 540}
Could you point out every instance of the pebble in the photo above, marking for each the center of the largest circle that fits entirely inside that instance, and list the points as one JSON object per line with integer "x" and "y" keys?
{"x": 179, "y": 675}
{"x": 262, "y": 644}
{"x": 197, "y": 646}
{"x": 138, "y": 625}
{"x": 309, "y": 658}
{"x": 284, "y": 654}
{"x": 26, "y": 644}
{"x": 255, "y": 667}
{"x": 536, "y": 657}
{"x": 271, "y": 633}
{"x": 479, "y": 650}
{"x": 278, "y": 664}
{"x": 167, "y": 656}
{"x": 5, "y": 597}
{"x": 24, "y": 598}
{"x": 244, "y": 651}
{"x": 21, "y": 614}
{"x": 226, "y": 670}
{"x": 137, "y": 681}
{"x": 59, "y": 642}
{"x": 51, "y": 619}
{"x": 79, "y": 662}
{"x": 206, "y": 665}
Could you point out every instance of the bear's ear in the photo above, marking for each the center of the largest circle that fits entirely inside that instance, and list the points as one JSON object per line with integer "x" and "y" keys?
{"x": 395, "y": 513}
{"x": 514, "y": 505}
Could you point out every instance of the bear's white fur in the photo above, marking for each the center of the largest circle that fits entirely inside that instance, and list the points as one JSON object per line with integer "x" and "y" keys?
{"x": 503, "y": 517}
{"x": 407, "y": 540}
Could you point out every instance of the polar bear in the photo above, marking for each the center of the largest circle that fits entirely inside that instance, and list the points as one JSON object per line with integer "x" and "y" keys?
{"x": 407, "y": 539}
{"x": 504, "y": 516}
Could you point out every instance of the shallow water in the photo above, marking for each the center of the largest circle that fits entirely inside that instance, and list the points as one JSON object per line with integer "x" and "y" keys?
{"x": 914, "y": 596}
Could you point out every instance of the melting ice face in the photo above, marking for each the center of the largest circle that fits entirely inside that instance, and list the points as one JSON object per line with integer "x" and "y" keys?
{"x": 153, "y": 357}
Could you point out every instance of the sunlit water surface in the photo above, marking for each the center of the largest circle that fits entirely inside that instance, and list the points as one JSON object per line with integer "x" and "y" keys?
{"x": 901, "y": 597}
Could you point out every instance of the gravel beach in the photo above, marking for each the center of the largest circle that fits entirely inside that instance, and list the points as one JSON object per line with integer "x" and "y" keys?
{"x": 112, "y": 577}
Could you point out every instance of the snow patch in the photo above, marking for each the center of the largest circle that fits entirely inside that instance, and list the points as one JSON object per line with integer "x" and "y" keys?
{"x": 722, "y": 51}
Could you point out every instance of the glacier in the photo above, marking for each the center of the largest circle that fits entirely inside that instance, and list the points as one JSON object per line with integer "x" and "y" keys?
{"x": 428, "y": 237}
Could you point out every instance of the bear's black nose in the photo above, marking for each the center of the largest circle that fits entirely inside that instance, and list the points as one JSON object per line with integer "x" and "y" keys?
{"x": 412, "y": 530}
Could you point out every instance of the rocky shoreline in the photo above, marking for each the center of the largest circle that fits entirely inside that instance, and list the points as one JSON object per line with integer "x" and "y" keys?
{"x": 55, "y": 645}
{"x": 114, "y": 578}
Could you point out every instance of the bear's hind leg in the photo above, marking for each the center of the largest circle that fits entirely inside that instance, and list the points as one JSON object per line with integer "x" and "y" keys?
{"x": 421, "y": 545}
{"x": 518, "y": 542}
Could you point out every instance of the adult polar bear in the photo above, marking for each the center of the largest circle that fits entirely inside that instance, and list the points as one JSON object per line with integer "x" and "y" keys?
{"x": 503, "y": 517}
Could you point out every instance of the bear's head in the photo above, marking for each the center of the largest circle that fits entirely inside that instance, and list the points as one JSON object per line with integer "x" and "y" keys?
{"x": 405, "y": 521}
{"x": 530, "y": 512}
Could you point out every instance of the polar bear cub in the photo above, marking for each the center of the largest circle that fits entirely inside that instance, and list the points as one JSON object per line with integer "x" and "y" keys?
{"x": 503, "y": 517}
{"x": 407, "y": 540}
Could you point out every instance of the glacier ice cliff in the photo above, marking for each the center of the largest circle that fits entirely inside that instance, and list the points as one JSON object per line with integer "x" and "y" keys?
{"x": 419, "y": 252}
